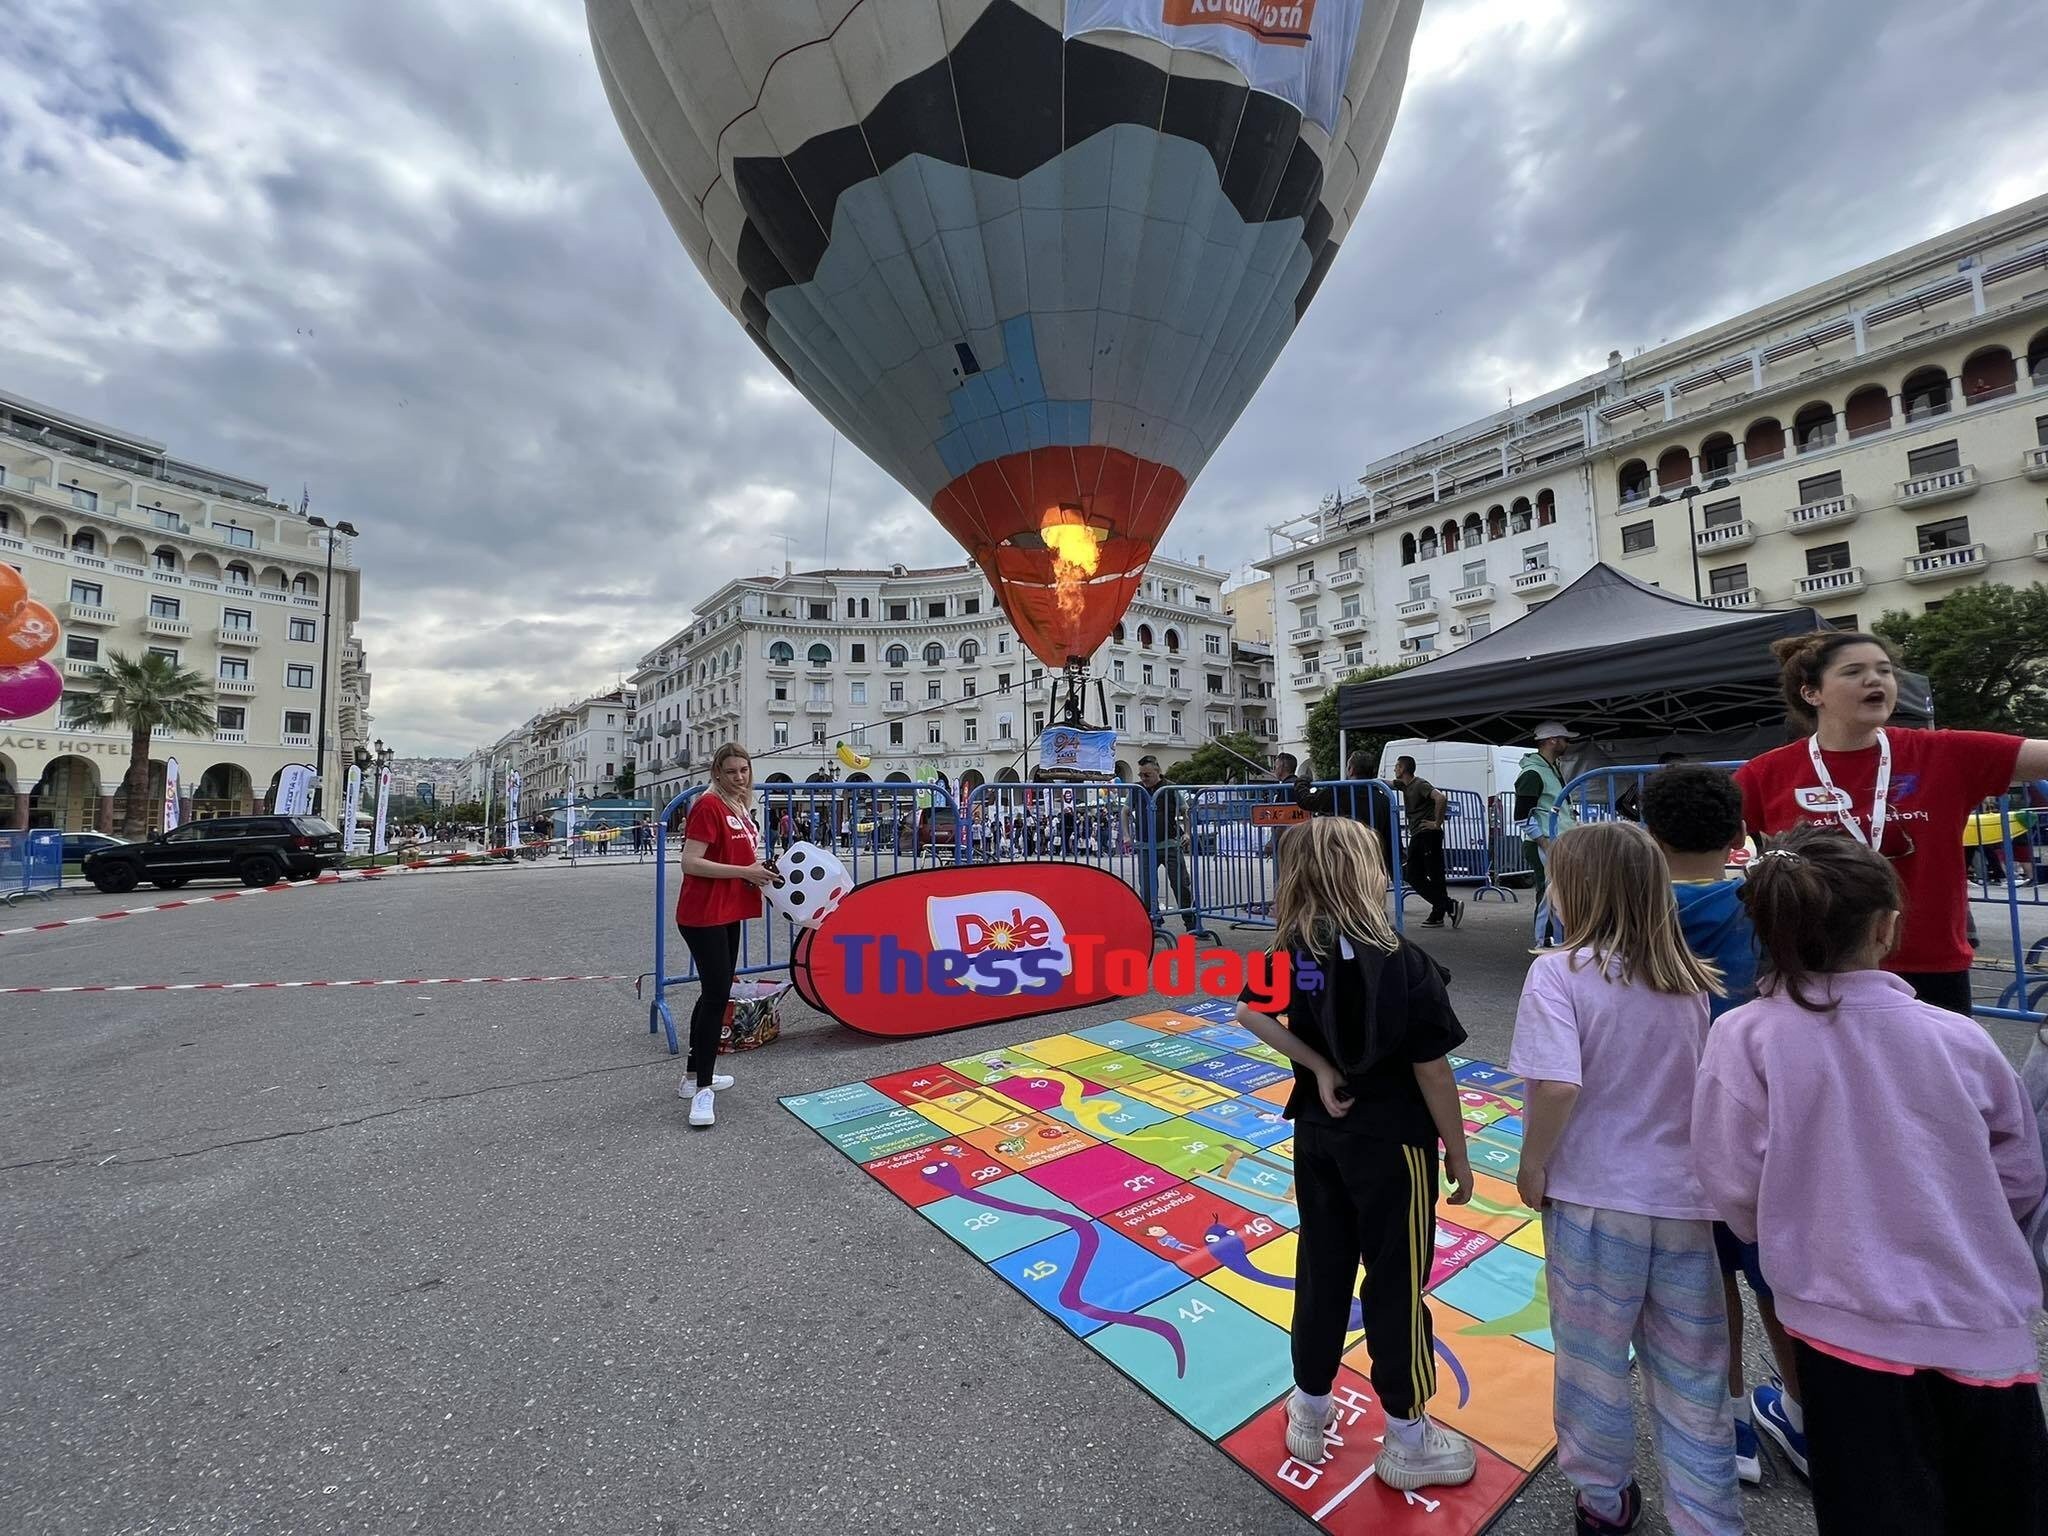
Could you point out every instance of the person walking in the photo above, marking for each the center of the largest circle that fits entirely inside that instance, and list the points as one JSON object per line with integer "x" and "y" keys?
{"x": 1161, "y": 843}
{"x": 1538, "y": 792}
{"x": 723, "y": 877}
{"x": 1425, "y": 807}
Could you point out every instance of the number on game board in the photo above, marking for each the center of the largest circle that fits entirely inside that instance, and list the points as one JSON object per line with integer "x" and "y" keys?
{"x": 1139, "y": 1183}
{"x": 981, "y": 1222}
{"x": 1044, "y": 1269}
{"x": 1259, "y": 1227}
{"x": 1195, "y": 1311}
{"x": 983, "y": 1175}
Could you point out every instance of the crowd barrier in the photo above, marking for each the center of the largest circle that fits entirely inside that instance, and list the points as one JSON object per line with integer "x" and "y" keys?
{"x": 31, "y": 863}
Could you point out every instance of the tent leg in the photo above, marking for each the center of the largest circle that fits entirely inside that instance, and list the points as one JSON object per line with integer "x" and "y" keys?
{"x": 1343, "y": 756}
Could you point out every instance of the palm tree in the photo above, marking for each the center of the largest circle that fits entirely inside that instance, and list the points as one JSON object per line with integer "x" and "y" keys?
{"x": 146, "y": 693}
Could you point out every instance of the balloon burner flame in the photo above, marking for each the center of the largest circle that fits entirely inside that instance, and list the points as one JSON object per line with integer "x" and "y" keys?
{"x": 1076, "y": 552}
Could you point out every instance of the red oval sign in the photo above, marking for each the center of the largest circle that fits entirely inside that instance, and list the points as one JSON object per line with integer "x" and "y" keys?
{"x": 873, "y": 963}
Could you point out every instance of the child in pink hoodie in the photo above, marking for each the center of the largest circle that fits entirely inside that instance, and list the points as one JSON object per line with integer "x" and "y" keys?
{"x": 1882, "y": 1154}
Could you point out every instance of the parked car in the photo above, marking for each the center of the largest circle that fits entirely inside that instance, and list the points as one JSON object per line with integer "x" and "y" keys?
{"x": 78, "y": 844}
{"x": 257, "y": 850}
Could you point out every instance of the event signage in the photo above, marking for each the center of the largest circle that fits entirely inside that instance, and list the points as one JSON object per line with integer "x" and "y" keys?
{"x": 294, "y": 790}
{"x": 1064, "y": 751}
{"x": 379, "y": 832}
{"x": 351, "y": 832}
{"x": 171, "y": 803}
{"x": 512, "y": 786}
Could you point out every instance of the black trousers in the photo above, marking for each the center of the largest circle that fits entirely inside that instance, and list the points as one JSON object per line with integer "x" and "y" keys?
{"x": 1424, "y": 870}
{"x": 1944, "y": 989}
{"x": 1921, "y": 1455}
{"x": 1363, "y": 1199}
{"x": 716, "y": 952}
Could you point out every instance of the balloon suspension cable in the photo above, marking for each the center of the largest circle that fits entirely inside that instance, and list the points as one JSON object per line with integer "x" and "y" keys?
{"x": 1074, "y": 699}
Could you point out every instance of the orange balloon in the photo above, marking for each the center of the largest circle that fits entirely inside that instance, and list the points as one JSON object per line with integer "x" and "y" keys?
{"x": 13, "y": 592}
{"x": 29, "y": 634}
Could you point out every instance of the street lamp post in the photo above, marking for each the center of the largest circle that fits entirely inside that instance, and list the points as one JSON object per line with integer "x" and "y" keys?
{"x": 326, "y": 647}
{"x": 1692, "y": 538}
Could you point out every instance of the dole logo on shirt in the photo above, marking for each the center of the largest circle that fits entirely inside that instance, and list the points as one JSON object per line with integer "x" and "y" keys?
{"x": 1820, "y": 797}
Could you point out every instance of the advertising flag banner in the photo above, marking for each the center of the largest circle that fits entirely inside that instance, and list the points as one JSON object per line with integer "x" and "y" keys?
{"x": 170, "y": 794}
{"x": 294, "y": 790}
{"x": 512, "y": 785}
{"x": 352, "y": 801}
{"x": 378, "y": 843}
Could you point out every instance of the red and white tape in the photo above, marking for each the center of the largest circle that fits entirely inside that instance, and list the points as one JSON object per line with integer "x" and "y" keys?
{"x": 342, "y": 877}
{"x": 281, "y": 986}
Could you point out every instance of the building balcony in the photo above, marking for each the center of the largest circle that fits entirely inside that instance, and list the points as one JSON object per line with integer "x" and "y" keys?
{"x": 2041, "y": 545}
{"x": 1941, "y": 485}
{"x": 249, "y": 639}
{"x": 782, "y": 706}
{"x": 1350, "y": 624}
{"x": 231, "y": 738}
{"x": 1303, "y": 590}
{"x": 169, "y": 629}
{"x": 1473, "y": 597}
{"x": 818, "y": 706}
{"x": 91, "y": 614}
{"x": 895, "y": 706}
{"x": 1822, "y": 514}
{"x": 1846, "y": 582}
{"x": 1307, "y": 682}
{"x": 1941, "y": 564}
{"x": 295, "y": 739}
{"x": 1416, "y": 608}
{"x": 1725, "y": 536}
{"x": 2034, "y": 463}
{"x": 782, "y": 669}
{"x": 234, "y": 687}
{"x": 1739, "y": 597}
{"x": 79, "y": 668}
{"x": 1306, "y": 634}
{"x": 1537, "y": 581}
{"x": 1345, "y": 577}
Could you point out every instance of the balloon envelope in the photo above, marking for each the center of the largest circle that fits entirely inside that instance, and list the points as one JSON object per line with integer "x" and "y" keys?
{"x": 1031, "y": 256}
{"x": 29, "y": 690}
{"x": 27, "y": 634}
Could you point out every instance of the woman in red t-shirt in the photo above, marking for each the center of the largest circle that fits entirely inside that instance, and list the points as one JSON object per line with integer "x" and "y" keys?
{"x": 723, "y": 876}
{"x": 1907, "y": 793}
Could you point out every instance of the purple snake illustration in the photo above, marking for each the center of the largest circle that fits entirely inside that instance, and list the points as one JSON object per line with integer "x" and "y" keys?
{"x": 1231, "y": 1253}
{"x": 945, "y": 1176}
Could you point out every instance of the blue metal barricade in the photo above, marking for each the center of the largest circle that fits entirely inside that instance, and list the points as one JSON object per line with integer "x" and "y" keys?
{"x": 1095, "y": 823}
{"x": 31, "y": 863}
{"x": 1233, "y": 861}
{"x": 1468, "y": 843}
{"x": 1510, "y": 855}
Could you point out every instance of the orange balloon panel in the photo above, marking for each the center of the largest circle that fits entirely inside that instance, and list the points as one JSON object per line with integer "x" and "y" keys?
{"x": 1063, "y": 534}
{"x": 13, "y": 590}
{"x": 27, "y": 634}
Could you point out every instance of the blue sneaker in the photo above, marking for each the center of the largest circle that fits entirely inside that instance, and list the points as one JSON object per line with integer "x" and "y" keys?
{"x": 1767, "y": 1405}
{"x": 1748, "y": 1459}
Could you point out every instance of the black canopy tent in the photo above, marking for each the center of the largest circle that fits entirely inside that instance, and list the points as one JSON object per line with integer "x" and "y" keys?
{"x": 1629, "y": 667}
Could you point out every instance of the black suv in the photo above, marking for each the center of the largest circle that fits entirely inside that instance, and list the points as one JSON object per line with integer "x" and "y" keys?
{"x": 258, "y": 850}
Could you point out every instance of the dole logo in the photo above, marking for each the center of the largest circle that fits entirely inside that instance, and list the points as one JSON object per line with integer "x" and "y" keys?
{"x": 1818, "y": 797}
{"x": 991, "y": 927}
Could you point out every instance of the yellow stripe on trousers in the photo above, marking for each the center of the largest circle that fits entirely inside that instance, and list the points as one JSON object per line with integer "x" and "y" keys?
{"x": 1421, "y": 1245}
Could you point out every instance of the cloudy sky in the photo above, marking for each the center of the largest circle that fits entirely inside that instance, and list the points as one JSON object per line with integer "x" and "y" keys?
{"x": 399, "y": 253}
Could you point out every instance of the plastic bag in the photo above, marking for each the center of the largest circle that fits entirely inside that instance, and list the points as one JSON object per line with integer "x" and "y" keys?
{"x": 754, "y": 1016}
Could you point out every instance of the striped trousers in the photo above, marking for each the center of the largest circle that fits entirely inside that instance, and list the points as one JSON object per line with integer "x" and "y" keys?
{"x": 1617, "y": 1280}
{"x": 1366, "y": 1200}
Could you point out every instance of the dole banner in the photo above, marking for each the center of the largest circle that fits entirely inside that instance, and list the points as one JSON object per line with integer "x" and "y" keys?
{"x": 351, "y": 832}
{"x": 1063, "y": 751}
{"x": 294, "y": 790}
{"x": 378, "y": 832}
{"x": 171, "y": 802}
{"x": 1298, "y": 50}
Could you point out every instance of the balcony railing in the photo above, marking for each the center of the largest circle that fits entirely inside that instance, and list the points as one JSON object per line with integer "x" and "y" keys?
{"x": 1939, "y": 564}
{"x": 295, "y": 739}
{"x": 170, "y": 629}
{"x": 91, "y": 613}
{"x": 231, "y": 738}
{"x": 1476, "y": 596}
{"x": 1305, "y": 634}
{"x": 1305, "y": 682}
{"x": 229, "y": 634}
{"x": 1303, "y": 589}
{"x": 1350, "y": 624}
{"x": 895, "y": 706}
{"x": 2034, "y": 463}
{"x": 234, "y": 687}
{"x": 1542, "y": 578}
{"x": 1822, "y": 514}
{"x": 75, "y": 668}
{"x": 1722, "y": 536}
{"x": 817, "y": 706}
{"x": 1739, "y": 597}
{"x": 1845, "y": 582}
{"x": 1416, "y": 608}
{"x": 1940, "y": 485}
{"x": 1345, "y": 577}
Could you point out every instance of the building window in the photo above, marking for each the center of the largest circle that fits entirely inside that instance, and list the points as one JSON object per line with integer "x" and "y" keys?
{"x": 1730, "y": 578}
{"x": 781, "y": 690}
{"x": 857, "y": 652}
{"x": 1949, "y": 533}
{"x": 1479, "y": 627}
{"x": 966, "y": 687}
{"x": 1116, "y": 668}
{"x": 934, "y": 655}
{"x": 1212, "y": 643}
{"x": 1636, "y": 538}
{"x": 895, "y": 733}
{"x": 1475, "y": 573}
{"x": 821, "y": 692}
{"x": 1536, "y": 557}
{"x": 852, "y": 608}
{"x": 1418, "y": 588}
{"x": 781, "y": 733}
{"x": 231, "y": 717}
{"x": 298, "y": 677}
{"x": 1306, "y": 571}
{"x": 970, "y": 605}
{"x": 165, "y": 559}
{"x": 1145, "y": 674}
{"x": 87, "y": 594}
{"x": 1350, "y": 607}
{"x": 163, "y": 607}
{"x": 234, "y": 669}
{"x": 1722, "y": 514}
{"x": 1151, "y": 722}
{"x": 931, "y": 733}
{"x": 242, "y": 620}
{"x": 781, "y": 654}
{"x": 168, "y": 652}
{"x": 298, "y": 722}
{"x": 817, "y": 735}
{"x": 819, "y": 611}
{"x": 1845, "y": 622}
{"x": 303, "y": 629}
{"x": 1827, "y": 557}
{"x": 1173, "y": 677}
{"x": 970, "y": 730}
{"x": 896, "y": 656}
{"x": 1002, "y": 682}
{"x": 1307, "y": 614}
{"x": 934, "y": 689}
{"x": 81, "y": 648}
{"x": 857, "y": 693}
{"x": 1173, "y": 725}
{"x": 1347, "y": 559}
{"x": 819, "y": 655}
{"x": 1820, "y": 488}
{"x": 1354, "y": 655}
{"x": 896, "y": 693}
{"x": 935, "y": 608}
{"x": 1037, "y": 723}
{"x": 899, "y": 611}
{"x": 1118, "y": 717}
{"x": 1933, "y": 459}
{"x": 1215, "y": 682}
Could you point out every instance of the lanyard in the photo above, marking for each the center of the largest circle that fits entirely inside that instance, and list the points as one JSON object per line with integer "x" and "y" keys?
{"x": 1878, "y": 793}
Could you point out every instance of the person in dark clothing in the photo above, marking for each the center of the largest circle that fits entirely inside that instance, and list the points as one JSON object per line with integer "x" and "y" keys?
{"x": 1426, "y": 806}
{"x": 1160, "y": 842}
{"x": 1630, "y": 806}
{"x": 1355, "y": 801}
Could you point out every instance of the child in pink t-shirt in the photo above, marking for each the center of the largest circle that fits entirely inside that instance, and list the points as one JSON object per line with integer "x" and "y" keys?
{"x": 1608, "y": 1037}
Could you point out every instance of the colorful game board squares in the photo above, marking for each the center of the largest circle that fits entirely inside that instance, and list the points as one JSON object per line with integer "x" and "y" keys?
{"x": 902, "y": 1173}
{"x": 1497, "y": 1155}
{"x": 1174, "y": 1021}
{"x": 995, "y": 1064}
{"x": 1277, "y": 1093}
{"x": 1058, "y": 1050}
{"x": 989, "y": 1231}
{"x": 1495, "y": 1209}
{"x": 1233, "y": 1358}
{"x": 1240, "y": 1074}
{"x": 1118, "y": 1276}
{"x": 1262, "y": 1189}
{"x": 829, "y": 1106}
{"x": 1175, "y": 1051}
{"x": 1042, "y": 1090}
{"x": 1027, "y": 1141}
{"x": 895, "y": 1129}
{"x": 1343, "y": 1496}
{"x": 1456, "y": 1247}
{"x": 1232, "y": 1037}
{"x": 1100, "y": 1179}
{"x": 1484, "y": 1074}
{"x": 1170, "y": 1090}
{"x": 1504, "y": 1290}
{"x": 1261, "y": 1125}
{"x": 922, "y": 1085}
{"x": 1111, "y": 1113}
{"x": 1262, "y": 1279}
{"x": 1112, "y": 1067}
{"x": 1184, "y": 1148}
{"x": 1174, "y": 1224}
{"x": 1493, "y": 1387}
{"x": 1117, "y": 1034}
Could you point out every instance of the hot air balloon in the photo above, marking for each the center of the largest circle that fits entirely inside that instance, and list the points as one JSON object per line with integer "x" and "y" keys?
{"x": 1031, "y": 256}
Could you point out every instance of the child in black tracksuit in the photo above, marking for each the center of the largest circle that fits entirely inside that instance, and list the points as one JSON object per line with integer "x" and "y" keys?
{"x": 1368, "y": 1026}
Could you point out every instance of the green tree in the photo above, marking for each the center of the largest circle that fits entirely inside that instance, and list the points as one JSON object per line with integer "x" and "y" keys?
{"x": 628, "y": 777}
{"x": 1228, "y": 759}
{"x": 146, "y": 693}
{"x": 1985, "y": 656}
{"x": 1322, "y": 728}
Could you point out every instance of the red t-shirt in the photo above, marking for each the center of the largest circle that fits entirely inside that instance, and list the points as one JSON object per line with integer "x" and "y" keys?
{"x": 728, "y": 838}
{"x": 1938, "y": 780}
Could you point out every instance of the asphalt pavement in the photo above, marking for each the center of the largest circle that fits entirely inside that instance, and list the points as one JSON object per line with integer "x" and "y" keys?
{"x": 446, "y": 1259}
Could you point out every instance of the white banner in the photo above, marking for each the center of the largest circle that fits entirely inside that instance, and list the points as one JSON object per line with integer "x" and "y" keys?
{"x": 569, "y": 836}
{"x": 1064, "y": 750}
{"x": 1298, "y": 50}
{"x": 512, "y": 783}
{"x": 352, "y": 800}
{"x": 294, "y": 790}
{"x": 378, "y": 832}
{"x": 170, "y": 794}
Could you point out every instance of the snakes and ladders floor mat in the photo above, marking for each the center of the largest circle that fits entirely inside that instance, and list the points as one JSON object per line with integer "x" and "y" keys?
{"x": 1135, "y": 1181}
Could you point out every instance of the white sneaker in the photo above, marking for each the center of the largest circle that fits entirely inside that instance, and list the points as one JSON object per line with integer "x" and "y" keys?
{"x": 1443, "y": 1458}
{"x": 1307, "y": 1431}
{"x": 720, "y": 1081}
{"x": 702, "y": 1114}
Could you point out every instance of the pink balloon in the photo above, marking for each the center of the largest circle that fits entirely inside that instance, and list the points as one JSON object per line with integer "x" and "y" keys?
{"x": 29, "y": 690}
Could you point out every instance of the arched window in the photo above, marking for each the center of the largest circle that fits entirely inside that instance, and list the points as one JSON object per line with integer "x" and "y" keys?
{"x": 1449, "y": 535}
{"x": 1674, "y": 467}
{"x": 934, "y": 655}
{"x": 1869, "y": 410}
{"x": 970, "y": 652}
{"x": 1764, "y": 442}
{"x": 1521, "y": 515}
{"x": 1496, "y": 521}
{"x": 1407, "y": 549}
{"x": 1633, "y": 481}
{"x": 819, "y": 655}
{"x": 1475, "y": 531}
{"x": 1989, "y": 375}
{"x": 1814, "y": 426}
{"x": 1118, "y": 633}
{"x": 1145, "y": 636}
{"x": 781, "y": 654}
{"x": 304, "y": 585}
{"x": 238, "y": 575}
{"x": 1924, "y": 394}
{"x": 86, "y": 542}
{"x": 1426, "y": 546}
{"x": 896, "y": 656}
{"x": 1546, "y": 507}
{"x": 2037, "y": 359}
{"x": 1173, "y": 641}
{"x": 1717, "y": 455}
{"x": 165, "y": 559}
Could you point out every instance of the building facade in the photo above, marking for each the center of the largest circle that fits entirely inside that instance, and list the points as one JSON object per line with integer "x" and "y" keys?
{"x": 1866, "y": 445}
{"x": 136, "y": 551}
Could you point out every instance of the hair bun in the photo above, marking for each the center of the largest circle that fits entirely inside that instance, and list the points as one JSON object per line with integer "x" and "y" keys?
{"x": 1790, "y": 646}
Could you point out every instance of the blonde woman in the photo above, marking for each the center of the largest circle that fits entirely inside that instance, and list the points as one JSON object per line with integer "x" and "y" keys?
{"x": 723, "y": 877}
{"x": 1609, "y": 1035}
{"x": 1368, "y": 1027}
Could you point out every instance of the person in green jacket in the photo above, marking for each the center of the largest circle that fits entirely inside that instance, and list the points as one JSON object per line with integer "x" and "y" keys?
{"x": 1536, "y": 794}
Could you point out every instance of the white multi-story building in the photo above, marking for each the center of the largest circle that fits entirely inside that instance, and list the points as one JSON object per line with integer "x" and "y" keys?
{"x": 572, "y": 749}
{"x": 136, "y": 551}
{"x": 919, "y": 671}
{"x": 1865, "y": 445}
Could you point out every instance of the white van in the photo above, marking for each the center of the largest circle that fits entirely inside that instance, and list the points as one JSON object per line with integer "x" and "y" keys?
{"x": 1486, "y": 771}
